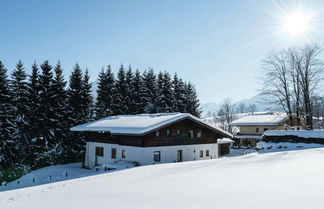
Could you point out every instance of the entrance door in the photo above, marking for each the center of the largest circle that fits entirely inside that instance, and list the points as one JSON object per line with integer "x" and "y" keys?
{"x": 179, "y": 156}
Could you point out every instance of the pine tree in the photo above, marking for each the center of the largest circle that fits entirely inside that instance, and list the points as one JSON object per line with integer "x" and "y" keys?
{"x": 8, "y": 148}
{"x": 105, "y": 94}
{"x": 33, "y": 102}
{"x": 60, "y": 109}
{"x": 192, "y": 102}
{"x": 120, "y": 105}
{"x": 87, "y": 99}
{"x": 149, "y": 92}
{"x": 179, "y": 94}
{"x": 19, "y": 101}
{"x": 45, "y": 142}
{"x": 130, "y": 92}
{"x": 167, "y": 93}
{"x": 75, "y": 93}
{"x": 138, "y": 87}
{"x": 33, "y": 114}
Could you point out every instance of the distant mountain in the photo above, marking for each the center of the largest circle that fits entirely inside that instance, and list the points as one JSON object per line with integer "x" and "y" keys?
{"x": 259, "y": 100}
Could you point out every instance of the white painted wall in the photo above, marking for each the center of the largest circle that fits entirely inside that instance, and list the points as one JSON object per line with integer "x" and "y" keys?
{"x": 144, "y": 155}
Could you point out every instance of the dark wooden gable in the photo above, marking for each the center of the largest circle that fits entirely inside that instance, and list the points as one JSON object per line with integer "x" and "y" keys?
{"x": 151, "y": 139}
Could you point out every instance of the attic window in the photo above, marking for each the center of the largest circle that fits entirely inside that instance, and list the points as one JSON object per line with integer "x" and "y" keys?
{"x": 178, "y": 132}
{"x": 168, "y": 132}
{"x": 198, "y": 133}
{"x": 191, "y": 134}
{"x": 157, "y": 133}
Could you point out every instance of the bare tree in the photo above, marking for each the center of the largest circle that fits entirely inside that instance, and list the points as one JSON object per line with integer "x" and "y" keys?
{"x": 276, "y": 81}
{"x": 226, "y": 114}
{"x": 311, "y": 73}
{"x": 241, "y": 108}
{"x": 291, "y": 78}
{"x": 252, "y": 108}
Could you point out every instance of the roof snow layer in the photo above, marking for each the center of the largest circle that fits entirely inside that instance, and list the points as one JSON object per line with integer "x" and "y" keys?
{"x": 139, "y": 124}
{"x": 265, "y": 120}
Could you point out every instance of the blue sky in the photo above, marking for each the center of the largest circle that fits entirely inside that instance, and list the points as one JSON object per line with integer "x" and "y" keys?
{"x": 217, "y": 45}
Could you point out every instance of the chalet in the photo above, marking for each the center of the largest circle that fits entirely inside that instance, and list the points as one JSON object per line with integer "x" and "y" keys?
{"x": 150, "y": 139}
{"x": 250, "y": 128}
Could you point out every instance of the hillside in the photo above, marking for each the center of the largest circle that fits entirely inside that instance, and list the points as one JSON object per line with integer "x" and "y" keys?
{"x": 280, "y": 180}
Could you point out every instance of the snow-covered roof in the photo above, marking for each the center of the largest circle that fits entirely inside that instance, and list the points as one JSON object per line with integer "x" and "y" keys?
{"x": 299, "y": 133}
{"x": 270, "y": 119}
{"x": 140, "y": 124}
{"x": 248, "y": 136}
{"x": 225, "y": 141}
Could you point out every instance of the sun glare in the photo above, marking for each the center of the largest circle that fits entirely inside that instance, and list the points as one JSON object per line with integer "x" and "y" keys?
{"x": 296, "y": 24}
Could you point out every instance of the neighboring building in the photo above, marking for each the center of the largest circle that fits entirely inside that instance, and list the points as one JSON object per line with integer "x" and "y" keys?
{"x": 149, "y": 139}
{"x": 251, "y": 127}
{"x": 224, "y": 145}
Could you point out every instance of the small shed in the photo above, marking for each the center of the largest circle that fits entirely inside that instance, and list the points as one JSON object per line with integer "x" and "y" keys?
{"x": 224, "y": 146}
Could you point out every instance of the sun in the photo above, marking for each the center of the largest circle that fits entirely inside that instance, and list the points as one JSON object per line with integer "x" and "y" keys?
{"x": 296, "y": 24}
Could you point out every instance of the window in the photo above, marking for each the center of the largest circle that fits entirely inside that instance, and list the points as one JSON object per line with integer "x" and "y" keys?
{"x": 157, "y": 133}
{"x": 257, "y": 130}
{"x": 207, "y": 153}
{"x": 168, "y": 132}
{"x": 201, "y": 153}
{"x": 198, "y": 133}
{"x": 157, "y": 156}
{"x": 179, "y": 156}
{"x": 123, "y": 153}
{"x": 113, "y": 153}
{"x": 178, "y": 132}
{"x": 99, "y": 151}
{"x": 191, "y": 134}
{"x": 265, "y": 129}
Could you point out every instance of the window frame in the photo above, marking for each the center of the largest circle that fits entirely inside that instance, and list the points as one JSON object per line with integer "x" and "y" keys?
{"x": 99, "y": 153}
{"x": 168, "y": 132}
{"x": 123, "y": 153}
{"x": 157, "y": 153}
{"x": 113, "y": 153}
{"x": 157, "y": 133}
{"x": 178, "y": 132}
{"x": 207, "y": 153}
{"x": 201, "y": 153}
{"x": 199, "y": 133}
{"x": 191, "y": 134}
{"x": 257, "y": 130}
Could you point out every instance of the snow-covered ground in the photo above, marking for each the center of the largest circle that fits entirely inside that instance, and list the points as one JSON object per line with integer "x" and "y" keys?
{"x": 61, "y": 173}
{"x": 277, "y": 180}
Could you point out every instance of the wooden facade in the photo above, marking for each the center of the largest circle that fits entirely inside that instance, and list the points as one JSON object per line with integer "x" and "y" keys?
{"x": 183, "y": 132}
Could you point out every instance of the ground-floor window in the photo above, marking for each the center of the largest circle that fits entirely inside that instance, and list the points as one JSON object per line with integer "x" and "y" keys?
{"x": 157, "y": 156}
{"x": 123, "y": 153}
{"x": 201, "y": 153}
{"x": 113, "y": 153}
{"x": 207, "y": 153}
{"x": 179, "y": 156}
{"x": 99, "y": 151}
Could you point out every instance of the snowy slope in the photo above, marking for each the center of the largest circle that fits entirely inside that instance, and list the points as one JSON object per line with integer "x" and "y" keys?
{"x": 281, "y": 180}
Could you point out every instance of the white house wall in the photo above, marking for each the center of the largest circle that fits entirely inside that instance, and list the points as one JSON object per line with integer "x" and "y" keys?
{"x": 144, "y": 155}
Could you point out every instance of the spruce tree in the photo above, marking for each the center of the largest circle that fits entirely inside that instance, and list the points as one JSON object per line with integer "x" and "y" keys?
{"x": 60, "y": 109}
{"x": 87, "y": 99}
{"x": 179, "y": 94}
{"x": 130, "y": 92}
{"x": 138, "y": 87}
{"x": 192, "y": 101}
{"x": 105, "y": 94}
{"x": 167, "y": 93}
{"x": 75, "y": 93}
{"x": 149, "y": 93}
{"x": 33, "y": 114}
{"x": 45, "y": 142}
{"x": 120, "y": 105}
{"x": 8, "y": 148}
{"x": 19, "y": 100}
